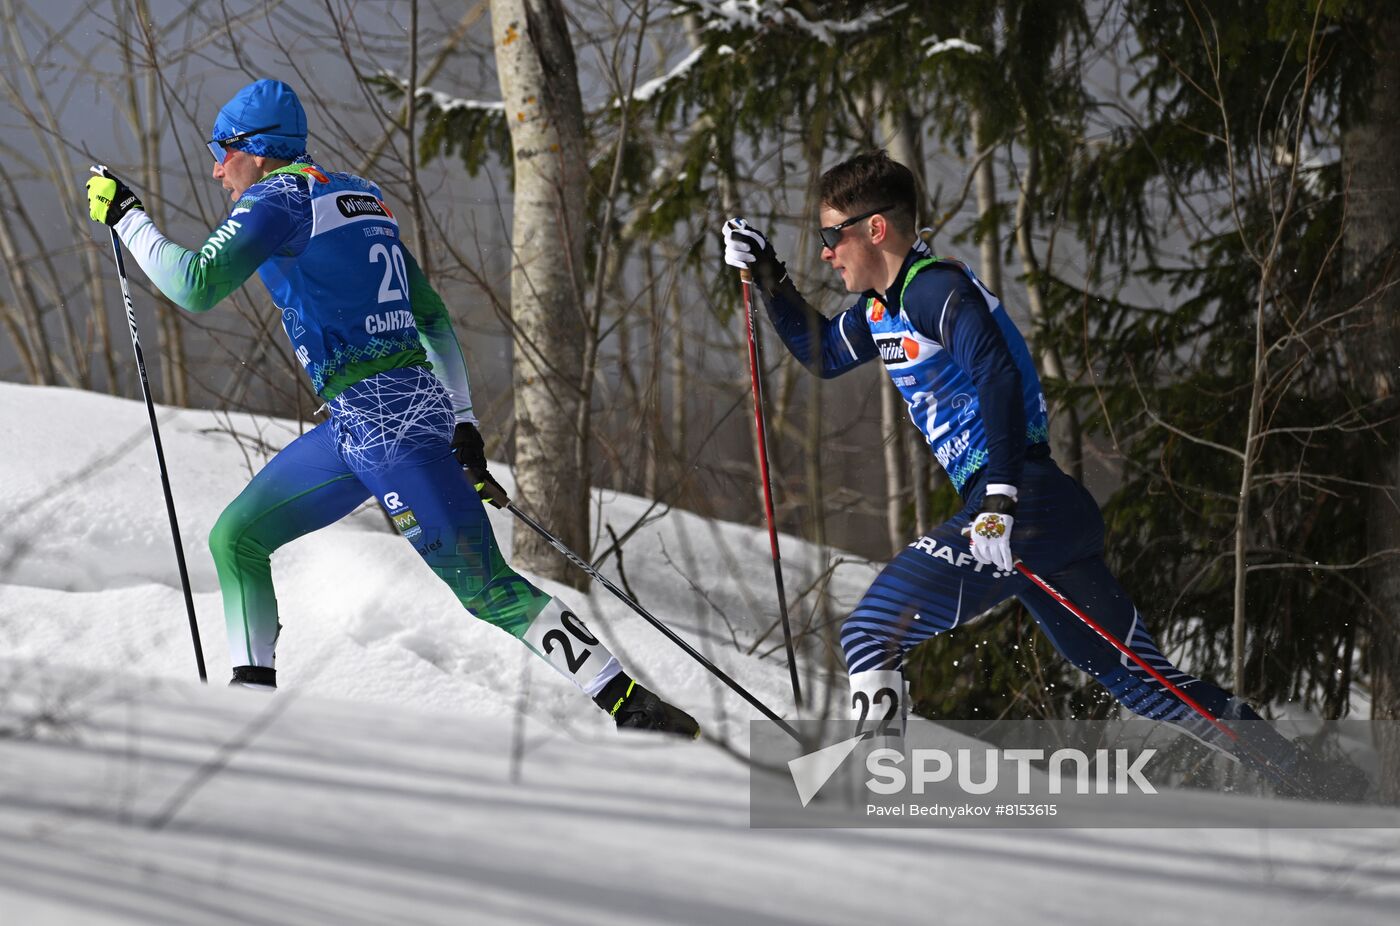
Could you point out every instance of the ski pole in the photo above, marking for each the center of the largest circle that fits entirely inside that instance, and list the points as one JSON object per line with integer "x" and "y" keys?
{"x": 160, "y": 455}
{"x": 626, "y": 599}
{"x": 1282, "y": 774}
{"x": 761, "y": 429}
{"x": 1124, "y": 649}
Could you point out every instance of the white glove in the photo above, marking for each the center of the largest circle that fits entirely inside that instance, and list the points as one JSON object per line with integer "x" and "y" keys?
{"x": 743, "y": 244}
{"x": 990, "y": 539}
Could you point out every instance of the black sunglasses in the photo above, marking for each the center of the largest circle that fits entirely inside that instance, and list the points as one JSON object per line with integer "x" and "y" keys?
{"x": 831, "y": 234}
{"x": 220, "y": 147}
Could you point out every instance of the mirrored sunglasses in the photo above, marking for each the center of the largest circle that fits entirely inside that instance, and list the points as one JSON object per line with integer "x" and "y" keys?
{"x": 220, "y": 147}
{"x": 831, "y": 234}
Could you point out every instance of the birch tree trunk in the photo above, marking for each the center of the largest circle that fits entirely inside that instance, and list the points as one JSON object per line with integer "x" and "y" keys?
{"x": 902, "y": 139}
{"x": 1370, "y": 152}
{"x": 1065, "y": 438}
{"x": 147, "y": 126}
{"x": 892, "y": 436}
{"x": 989, "y": 241}
{"x": 27, "y": 319}
{"x": 539, "y": 84}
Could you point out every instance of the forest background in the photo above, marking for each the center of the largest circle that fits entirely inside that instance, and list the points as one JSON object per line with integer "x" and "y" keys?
{"x": 1191, "y": 209}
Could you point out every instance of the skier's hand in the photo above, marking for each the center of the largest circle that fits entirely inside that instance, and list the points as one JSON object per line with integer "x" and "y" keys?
{"x": 470, "y": 451}
{"x": 989, "y": 535}
{"x": 745, "y": 248}
{"x": 108, "y": 198}
{"x": 489, "y": 489}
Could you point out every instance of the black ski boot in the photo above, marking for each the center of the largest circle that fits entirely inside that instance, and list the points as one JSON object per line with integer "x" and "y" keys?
{"x": 635, "y": 708}
{"x": 259, "y": 678}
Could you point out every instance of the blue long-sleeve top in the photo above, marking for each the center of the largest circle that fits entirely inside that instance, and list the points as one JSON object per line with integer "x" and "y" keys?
{"x": 954, "y": 354}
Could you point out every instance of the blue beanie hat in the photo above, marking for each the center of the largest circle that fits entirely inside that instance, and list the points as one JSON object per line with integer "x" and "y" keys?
{"x": 259, "y": 105}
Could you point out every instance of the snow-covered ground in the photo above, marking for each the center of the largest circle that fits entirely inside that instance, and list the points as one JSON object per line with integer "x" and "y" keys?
{"x": 88, "y": 576}
{"x": 393, "y": 779}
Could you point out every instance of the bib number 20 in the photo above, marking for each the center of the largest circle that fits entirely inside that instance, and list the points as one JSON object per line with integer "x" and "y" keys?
{"x": 562, "y": 639}
{"x": 576, "y": 631}
{"x": 395, "y": 272}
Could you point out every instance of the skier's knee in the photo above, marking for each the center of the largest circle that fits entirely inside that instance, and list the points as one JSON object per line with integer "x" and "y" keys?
{"x": 229, "y": 541}
{"x": 223, "y": 537}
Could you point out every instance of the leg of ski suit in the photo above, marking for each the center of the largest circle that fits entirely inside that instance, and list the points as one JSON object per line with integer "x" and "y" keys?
{"x": 934, "y": 584}
{"x": 389, "y": 436}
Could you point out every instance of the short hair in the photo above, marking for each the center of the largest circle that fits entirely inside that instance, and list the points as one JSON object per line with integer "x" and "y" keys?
{"x": 871, "y": 181}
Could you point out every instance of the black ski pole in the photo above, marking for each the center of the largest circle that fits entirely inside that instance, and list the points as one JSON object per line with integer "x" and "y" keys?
{"x": 626, "y": 599}
{"x": 160, "y": 455}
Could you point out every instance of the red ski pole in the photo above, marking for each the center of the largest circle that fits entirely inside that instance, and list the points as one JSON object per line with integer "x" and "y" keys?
{"x": 1277, "y": 770}
{"x": 761, "y": 429}
{"x": 1124, "y": 649}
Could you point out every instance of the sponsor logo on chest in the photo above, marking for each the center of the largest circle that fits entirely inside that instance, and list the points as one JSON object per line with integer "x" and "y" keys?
{"x": 898, "y": 348}
{"x": 896, "y": 341}
{"x": 354, "y": 205}
{"x": 336, "y": 210}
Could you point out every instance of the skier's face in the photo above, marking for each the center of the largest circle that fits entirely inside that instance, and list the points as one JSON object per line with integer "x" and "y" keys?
{"x": 238, "y": 171}
{"x": 856, "y": 256}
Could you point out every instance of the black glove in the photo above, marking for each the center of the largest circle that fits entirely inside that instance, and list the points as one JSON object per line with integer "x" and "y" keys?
{"x": 108, "y": 198}
{"x": 745, "y": 248}
{"x": 470, "y": 451}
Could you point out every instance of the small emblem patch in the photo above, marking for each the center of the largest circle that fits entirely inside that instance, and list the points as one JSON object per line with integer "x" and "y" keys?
{"x": 407, "y": 523}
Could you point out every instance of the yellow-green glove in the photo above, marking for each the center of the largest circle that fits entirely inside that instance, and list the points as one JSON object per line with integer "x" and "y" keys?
{"x": 108, "y": 198}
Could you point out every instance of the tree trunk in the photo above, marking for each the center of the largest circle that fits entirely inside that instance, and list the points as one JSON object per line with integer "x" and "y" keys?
{"x": 892, "y": 435}
{"x": 539, "y": 84}
{"x": 989, "y": 238}
{"x": 170, "y": 338}
{"x": 28, "y": 323}
{"x": 650, "y": 411}
{"x": 1370, "y": 152}
{"x": 680, "y": 396}
{"x": 1065, "y": 439}
{"x": 1252, "y": 449}
{"x": 415, "y": 197}
{"x": 901, "y": 132}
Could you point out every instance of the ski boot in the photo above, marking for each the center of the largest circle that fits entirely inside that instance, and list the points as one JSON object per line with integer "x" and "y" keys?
{"x": 258, "y": 678}
{"x": 635, "y": 708}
